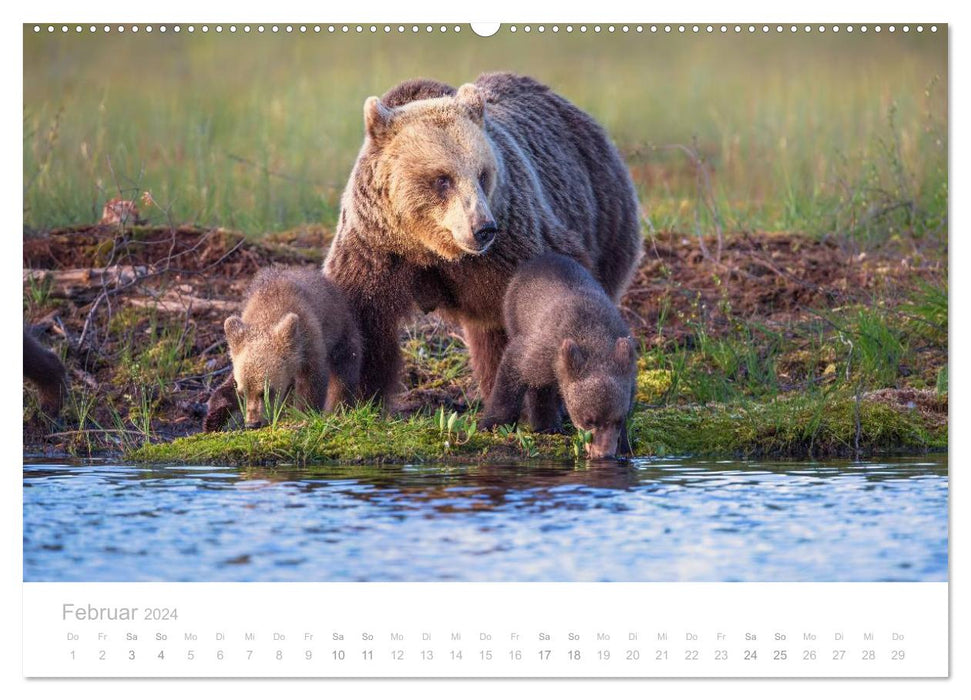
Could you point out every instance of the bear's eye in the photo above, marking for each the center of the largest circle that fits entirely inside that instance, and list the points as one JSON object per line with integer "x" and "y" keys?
{"x": 484, "y": 180}
{"x": 442, "y": 184}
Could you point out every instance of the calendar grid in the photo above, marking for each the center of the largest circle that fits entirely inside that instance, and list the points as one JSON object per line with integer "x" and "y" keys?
{"x": 478, "y": 630}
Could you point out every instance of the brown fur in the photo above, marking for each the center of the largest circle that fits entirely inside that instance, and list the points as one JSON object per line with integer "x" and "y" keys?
{"x": 119, "y": 212}
{"x": 296, "y": 333}
{"x": 566, "y": 338}
{"x": 452, "y": 190}
{"x": 42, "y": 367}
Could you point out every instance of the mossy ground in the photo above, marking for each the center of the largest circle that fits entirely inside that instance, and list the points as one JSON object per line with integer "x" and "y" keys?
{"x": 814, "y": 427}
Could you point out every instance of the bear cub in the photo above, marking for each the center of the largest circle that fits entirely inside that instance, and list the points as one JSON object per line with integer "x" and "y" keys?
{"x": 45, "y": 370}
{"x": 296, "y": 333}
{"x": 566, "y": 339}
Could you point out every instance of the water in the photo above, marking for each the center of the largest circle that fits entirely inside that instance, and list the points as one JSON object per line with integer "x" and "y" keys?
{"x": 648, "y": 520}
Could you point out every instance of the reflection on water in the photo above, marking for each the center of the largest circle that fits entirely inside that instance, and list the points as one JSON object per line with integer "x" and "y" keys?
{"x": 648, "y": 520}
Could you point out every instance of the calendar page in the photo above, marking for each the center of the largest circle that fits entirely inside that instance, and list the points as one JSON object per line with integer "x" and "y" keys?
{"x": 519, "y": 350}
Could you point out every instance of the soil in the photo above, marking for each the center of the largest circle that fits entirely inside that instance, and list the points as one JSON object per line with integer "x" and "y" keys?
{"x": 94, "y": 292}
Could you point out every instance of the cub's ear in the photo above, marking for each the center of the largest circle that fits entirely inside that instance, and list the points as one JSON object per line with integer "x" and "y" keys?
{"x": 235, "y": 332}
{"x": 377, "y": 118}
{"x": 286, "y": 329}
{"x": 572, "y": 358}
{"x": 470, "y": 100}
{"x": 624, "y": 354}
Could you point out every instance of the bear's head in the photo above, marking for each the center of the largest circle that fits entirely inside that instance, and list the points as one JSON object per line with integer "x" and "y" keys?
{"x": 266, "y": 361}
{"x": 434, "y": 170}
{"x": 597, "y": 385}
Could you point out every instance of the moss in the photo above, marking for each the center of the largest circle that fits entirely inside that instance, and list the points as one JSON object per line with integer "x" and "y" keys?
{"x": 354, "y": 436}
{"x": 794, "y": 426}
{"x": 653, "y": 384}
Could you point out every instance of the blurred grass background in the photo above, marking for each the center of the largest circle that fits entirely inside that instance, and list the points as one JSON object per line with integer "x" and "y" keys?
{"x": 816, "y": 133}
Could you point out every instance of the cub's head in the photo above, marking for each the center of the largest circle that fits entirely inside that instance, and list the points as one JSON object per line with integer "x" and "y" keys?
{"x": 598, "y": 390}
{"x": 434, "y": 172}
{"x": 266, "y": 361}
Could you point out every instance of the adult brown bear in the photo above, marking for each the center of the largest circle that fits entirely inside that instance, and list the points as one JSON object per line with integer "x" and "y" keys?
{"x": 453, "y": 189}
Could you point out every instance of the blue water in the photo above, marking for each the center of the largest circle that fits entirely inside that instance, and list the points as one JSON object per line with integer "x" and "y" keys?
{"x": 648, "y": 520}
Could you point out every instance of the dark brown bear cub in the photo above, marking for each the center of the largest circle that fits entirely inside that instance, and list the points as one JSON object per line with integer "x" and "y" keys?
{"x": 296, "y": 333}
{"x": 566, "y": 339}
{"x": 42, "y": 367}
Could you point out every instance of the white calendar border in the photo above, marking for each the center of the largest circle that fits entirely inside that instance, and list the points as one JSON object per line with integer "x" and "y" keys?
{"x": 829, "y": 10}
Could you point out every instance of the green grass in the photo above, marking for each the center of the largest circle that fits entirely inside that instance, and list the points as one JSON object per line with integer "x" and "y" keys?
{"x": 815, "y": 133}
{"x": 790, "y": 427}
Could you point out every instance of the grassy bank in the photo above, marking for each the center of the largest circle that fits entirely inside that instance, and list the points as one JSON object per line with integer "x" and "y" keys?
{"x": 826, "y": 426}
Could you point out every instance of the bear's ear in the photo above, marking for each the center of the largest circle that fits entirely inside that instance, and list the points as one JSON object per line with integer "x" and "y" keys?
{"x": 286, "y": 329}
{"x": 235, "y": 332}
{"x": 572, "y": 358}
{"x": 624, "y": 354}
{"x": 377, "y": 118}
{"x": 470, "y": 100}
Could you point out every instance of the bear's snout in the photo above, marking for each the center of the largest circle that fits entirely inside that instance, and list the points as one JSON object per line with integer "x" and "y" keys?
{"x": 485, "y": 234}
{"x": 604, "y": 443}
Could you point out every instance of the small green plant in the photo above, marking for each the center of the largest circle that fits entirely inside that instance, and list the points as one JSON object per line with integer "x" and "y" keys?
{"x": 38, "y": 291}
{"x": 462, "y": 427}
{"x": 581, "y": 439}
{"x": 527, "y": 443}
{"x": 273, "y": 405}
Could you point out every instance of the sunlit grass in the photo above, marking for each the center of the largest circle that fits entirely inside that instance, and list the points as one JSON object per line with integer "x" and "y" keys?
{"x": 816, "y": 133}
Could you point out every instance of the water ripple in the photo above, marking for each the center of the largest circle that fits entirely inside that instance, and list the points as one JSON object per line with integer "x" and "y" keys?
{"x": 649, "y": 520}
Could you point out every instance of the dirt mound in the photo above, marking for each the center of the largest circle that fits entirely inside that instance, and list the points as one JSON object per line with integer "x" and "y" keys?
{"x": 772, "y": 277}
{"x": 185, "y": 248}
